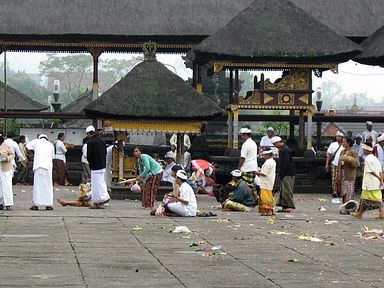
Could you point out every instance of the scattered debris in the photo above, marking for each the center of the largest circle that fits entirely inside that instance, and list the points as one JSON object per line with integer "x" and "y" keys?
{"x": 193, "y": 244}
{"x": 330, "y": 222}
{"x": 223, "y": 220}
{"x": 137, "y": 228}
{"x": 280, "y": 232}
{"x": 186, "y": 237}
{"x": 336, "y": 201}
{"x": 371, "y": 234}
{"x": 322, "y": 199}
{"x": 322, "y": 208}
{"x": 208, "y": 254}
{"x": 294, "y": 260}
{"x": 305, "y": 237}
{"x": 271, "y": 220}
{"x": 181, "y": 229}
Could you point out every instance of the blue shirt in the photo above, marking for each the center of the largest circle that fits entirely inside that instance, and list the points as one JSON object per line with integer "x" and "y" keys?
{"x": 148, "y": 165}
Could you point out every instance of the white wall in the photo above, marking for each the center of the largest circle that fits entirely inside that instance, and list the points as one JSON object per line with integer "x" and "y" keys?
{"x": 72, "y": 136}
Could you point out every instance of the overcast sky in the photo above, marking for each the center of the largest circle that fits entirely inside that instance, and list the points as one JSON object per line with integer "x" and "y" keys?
{"x": 353, "y": 77}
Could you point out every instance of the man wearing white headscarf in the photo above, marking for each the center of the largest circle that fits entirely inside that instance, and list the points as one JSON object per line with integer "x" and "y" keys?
{"x": 248, "y": 157}
{"x": 266, "y": 142}
{"x": 369, "y": 134}
{"x": 44, "y": 153}
{"x": 333, "y": 154}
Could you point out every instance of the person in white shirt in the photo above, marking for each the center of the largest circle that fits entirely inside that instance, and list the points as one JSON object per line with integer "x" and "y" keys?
{"x": 167, "y": 178}
{"x": 15, "y": 148}
{"x": 266, "y": 142}
{"x": 60, "y": 161}
{"x": 86, "y": 175}
{"x": 248, "y": 157}
{"x": 187, "y": 160}
{"x": 108, "y": 166}
{"x": 333, "y": 154}
{"x": 370, "y": 135}
{"x": 42, "y": 194}
{"x": 187, "y": 141}
{"x": 185, "y": 204}
{"x": 378, "y": 150}
{"x": 371, "y": 196}
{"x": 267, "y": 176}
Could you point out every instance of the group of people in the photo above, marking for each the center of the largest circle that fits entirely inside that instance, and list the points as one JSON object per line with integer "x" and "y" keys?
{"x": 45, "y": 154}
{"x": 347, "y": 159}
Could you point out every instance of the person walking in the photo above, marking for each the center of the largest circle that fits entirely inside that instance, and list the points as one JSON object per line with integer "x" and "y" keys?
{"x": 6, "y": 173}
{"x": 346, "y": 171}
{"x": 42, "y": 193}
{"x": 287, "y": 176}
{"x": 371, "y": 197}
{"x": 96, "y": 156}
{"x": 150, "y": 173}
{"x": 333, "y": 154}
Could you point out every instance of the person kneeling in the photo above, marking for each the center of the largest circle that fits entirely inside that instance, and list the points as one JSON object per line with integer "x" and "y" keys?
{"x": 185, "y": 204}
{"x": 242, "y": 199}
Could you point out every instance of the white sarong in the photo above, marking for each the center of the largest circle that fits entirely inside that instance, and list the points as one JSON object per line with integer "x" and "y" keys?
{"x": 179, "y": 209}
{"x": 6, "y": 193}
{"x": 98, "y": 186}
{"x": 42, "y": 187}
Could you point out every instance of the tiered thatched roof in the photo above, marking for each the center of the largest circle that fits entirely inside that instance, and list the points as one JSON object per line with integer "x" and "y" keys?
{"x": 275, "y": 30}
{"x": 373, "y": 52}
{"x": 17, "y": 101}
{"x": 151, "y": 91}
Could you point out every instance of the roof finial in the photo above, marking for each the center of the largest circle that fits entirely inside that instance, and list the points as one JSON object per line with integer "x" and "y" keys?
{"x": 149, "y": 49}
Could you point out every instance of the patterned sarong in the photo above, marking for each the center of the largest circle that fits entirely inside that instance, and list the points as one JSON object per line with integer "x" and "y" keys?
{"x": 265, "y": 200}
{"x": 285, "y": 196}
{"x": 61, "y": 172}
{"x": 249, "y": 177}
{"x": 150, "y": 189}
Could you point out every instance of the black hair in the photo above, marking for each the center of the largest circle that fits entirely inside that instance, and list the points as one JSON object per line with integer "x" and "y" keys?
{"x": 61, "y": 134}
{"x": 176, "y": 168}
{"x": 85, "y": 140}
{"x": 349, "y": 141}
{"x": 138, "y": 148}
{"x": 1, "y": 139}
{"x": 22, "y": 137}
{"x": 369, "y": 144}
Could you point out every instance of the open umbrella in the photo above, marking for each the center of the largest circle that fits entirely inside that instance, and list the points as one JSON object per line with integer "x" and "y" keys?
{"x": 201, "y": 165}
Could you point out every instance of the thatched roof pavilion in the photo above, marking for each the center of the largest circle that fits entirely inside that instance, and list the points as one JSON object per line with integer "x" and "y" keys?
{"x": 17, "y": 101}
{"x": 373, "y": 49}
{"x": 152, "y": 98}
{"x": 275, "y": 31}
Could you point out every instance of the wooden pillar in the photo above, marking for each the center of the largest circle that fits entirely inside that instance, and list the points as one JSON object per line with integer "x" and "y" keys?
{"x": 199, "y": 85}
{"x": 318, "y": 136}
{"x": 236, "y": 129}
{"x": 291, "y": 125}
{"x": 95, "y": 52}
{"x": 230, "y": 129}
{"x": 237, "y": 87}
{"x": 309, "y": 129}
{"x": 120, "y": 148}
{"x": 180, "y": 148}
{"x": 301, "y": 129}
{"x": 230, "y": 100}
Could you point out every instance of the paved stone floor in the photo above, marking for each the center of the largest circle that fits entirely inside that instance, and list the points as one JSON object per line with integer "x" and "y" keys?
{"x": 122, "y": 246}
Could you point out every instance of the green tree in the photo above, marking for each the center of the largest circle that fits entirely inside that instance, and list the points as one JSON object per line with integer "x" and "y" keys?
{"x": 281, "y": 128}
{"x": 23, "y": 83}
{"x": 117, "y": 68}
{"x": 73, "y": 67}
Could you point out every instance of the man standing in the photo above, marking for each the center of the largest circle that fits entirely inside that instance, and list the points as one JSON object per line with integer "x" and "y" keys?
{"x": 371, "y": 197}
{"x": 248, "y": 157}
{"x": 333, "y": 154}
{"x": 287, "y": 176}
{"x": 96, "y": 156}
{"x": 266, "y": 142}
{"x": 60, "y": 161}
{"x": 370, "y": 134}
{"x": 22, "y": 166}
{"x": 44, "y": 152}
{"x": 16, "y": 150}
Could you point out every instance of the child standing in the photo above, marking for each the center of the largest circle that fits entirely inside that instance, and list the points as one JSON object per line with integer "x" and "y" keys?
{"x": 267, "y": 175}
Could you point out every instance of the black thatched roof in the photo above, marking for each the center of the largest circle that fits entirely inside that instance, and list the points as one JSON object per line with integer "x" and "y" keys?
{"x": 79, "y": 104}
{"x": 275, "y": 30}
{"x": 17, "y": 101}
{"x": 373, "y": 49}
{"x": 151, "y": 91}
{"x": 66, "y": 20}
